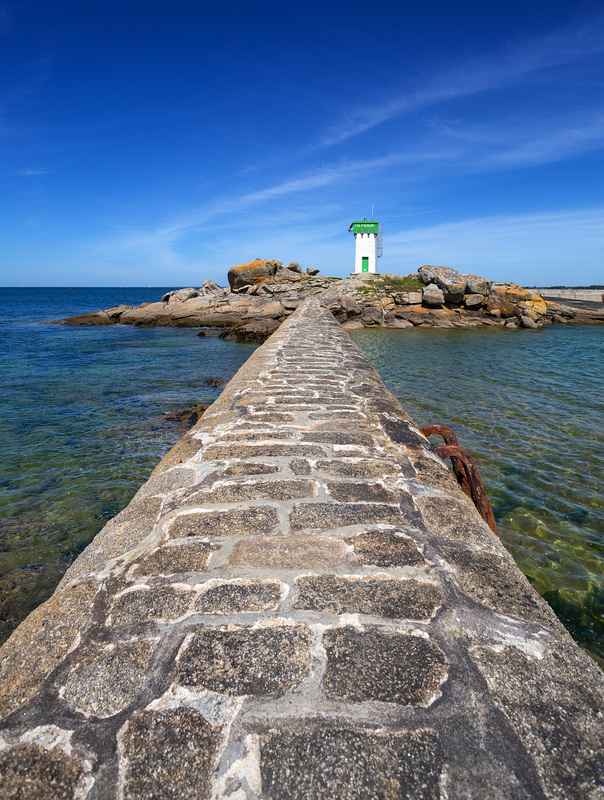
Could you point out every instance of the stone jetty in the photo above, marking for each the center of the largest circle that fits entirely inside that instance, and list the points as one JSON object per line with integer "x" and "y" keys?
{"x": 300, "y": 603}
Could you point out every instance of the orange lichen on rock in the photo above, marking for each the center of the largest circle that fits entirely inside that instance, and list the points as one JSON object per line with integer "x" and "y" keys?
{"x": 535, "y": 308}
{"x": 257, "y": 271}
{"x": 503, "y": 298}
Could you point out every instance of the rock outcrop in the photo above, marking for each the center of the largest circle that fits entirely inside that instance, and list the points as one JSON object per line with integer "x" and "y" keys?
{"x": 452, "y": 283}
{"x": 265, "y": 272}
{"x": 262, "y": 294}
{"x": 510, "y": 300}
{"x": 477, "y": 285}
{"x": 434, "y": 295}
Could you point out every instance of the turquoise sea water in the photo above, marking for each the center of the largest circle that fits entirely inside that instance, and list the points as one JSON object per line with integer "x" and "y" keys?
{"x": 82, "y": 425}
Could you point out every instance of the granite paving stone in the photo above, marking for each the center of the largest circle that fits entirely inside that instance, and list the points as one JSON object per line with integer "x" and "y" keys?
{"x": 234, "y": 597}
{"x": 361, "y": 493}
{"x": 387, "y": 549}
{"x": 176, "y": 558}
{"x": 300, "y": 466}
{"x": 293, "y": 552}
{"x": 350, "y": 764}
{"x": 335, "y": 414}
{"x": 150, "y": 603}
{"x": 379, "y": 596}
{"x": 449, "y": 519}
{"x": 256, "y": 490}
{"x": 358, "y": 469}
{"x": 232, "y": 522}
{"x": 340, "y": 437}
{"x": 496, "y": 582}
{"x": 253, "y": 436}
{"x": 29, "y": 772}
{"x": 218, "y": 452}
{"x": 322, "y": 516}
{"x": 105, "y": 682}
{"x": 169, "y": 754}
{"x": 250, "y": 468}
{"x": 263, "y": 661}
{"x": 393, "y": 668}
{"x": 271, "y": 416}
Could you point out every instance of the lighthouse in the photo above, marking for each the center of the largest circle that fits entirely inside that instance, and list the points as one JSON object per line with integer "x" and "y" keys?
{"x": 368, "y": 241}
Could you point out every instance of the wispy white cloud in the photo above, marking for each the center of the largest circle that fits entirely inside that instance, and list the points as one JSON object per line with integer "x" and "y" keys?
{"x": 35, "y": 171}
{"x": 542, "y": 248}
{"x": 531, "y": 249}
{"x": 508, "y": 68}
{"x": 474, "y": 149}
{"x": 162, "y": 239}
{"x": 524, "y": 143}
{"x": 553, "y": 145}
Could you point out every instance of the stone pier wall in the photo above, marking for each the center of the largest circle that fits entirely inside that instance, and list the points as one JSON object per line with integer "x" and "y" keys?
{"x": 299, "y": 604}
{"x": 591, "y": 295}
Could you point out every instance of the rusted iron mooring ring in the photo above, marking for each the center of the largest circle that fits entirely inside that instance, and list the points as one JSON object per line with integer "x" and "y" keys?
{"x": 465, "y": 470}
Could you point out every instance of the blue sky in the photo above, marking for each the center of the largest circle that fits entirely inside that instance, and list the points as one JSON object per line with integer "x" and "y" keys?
{"x": 157, "y": 144}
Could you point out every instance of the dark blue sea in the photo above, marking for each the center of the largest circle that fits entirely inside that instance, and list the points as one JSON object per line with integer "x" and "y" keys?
{"x": 82, "y": 424}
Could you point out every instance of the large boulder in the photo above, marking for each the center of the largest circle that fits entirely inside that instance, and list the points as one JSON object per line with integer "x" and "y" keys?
{"x": 371, "y": 316}
{"x": 342, "y": 307}
{"x": 261, "y": 271}
{"x": 477, "y": 285}
{"x": 473, "y": 300}
{"x": 312, "y": 271}
{"x": 433, "y": 295}
{"x": 211, "y": 289}
{"x": 256, "y": 330}
{"x": 258, "y": 271}
{"x": 427, "y": 274}
{"x": 180, "y": 295}
{"x": 535, "y": 308}
{"x": 392, "y": 321}
{"x": 265, "y": 309}
{"x": 452, "y": 283}
{"x": 503, "y": 298}
{"x": 286, "y": 275}
{"x": 408, "y": 298}
{"x": 115, "y": 312}
{"x": 294, "y": 267}
{"x": 147, "y": 314}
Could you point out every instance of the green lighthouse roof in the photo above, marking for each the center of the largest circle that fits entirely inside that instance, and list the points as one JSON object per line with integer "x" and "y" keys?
{"x": 364, "y": 227}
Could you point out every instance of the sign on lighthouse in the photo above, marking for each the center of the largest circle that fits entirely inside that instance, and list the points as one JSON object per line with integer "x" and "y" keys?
{"x": 368, "y": 240}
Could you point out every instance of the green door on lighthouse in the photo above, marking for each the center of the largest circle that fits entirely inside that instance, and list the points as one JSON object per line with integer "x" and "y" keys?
{"x": 365, "y": 264}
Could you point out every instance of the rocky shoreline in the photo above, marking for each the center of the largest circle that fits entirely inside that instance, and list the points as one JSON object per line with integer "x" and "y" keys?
{"x": 263, "y": 293}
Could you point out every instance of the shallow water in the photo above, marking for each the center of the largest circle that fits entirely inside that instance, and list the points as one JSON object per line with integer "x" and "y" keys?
{"x": 82, "y": 426}
{"x": 529, "y": 407}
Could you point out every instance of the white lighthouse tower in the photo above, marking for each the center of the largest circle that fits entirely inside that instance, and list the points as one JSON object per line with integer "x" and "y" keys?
{"x": 368, "y": 239}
